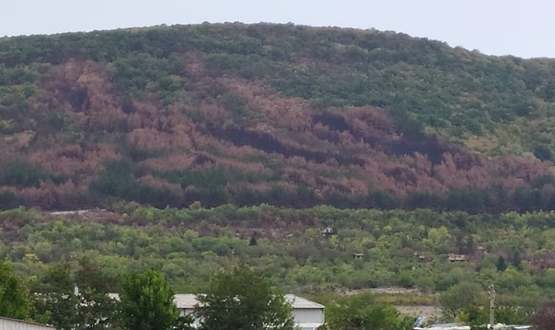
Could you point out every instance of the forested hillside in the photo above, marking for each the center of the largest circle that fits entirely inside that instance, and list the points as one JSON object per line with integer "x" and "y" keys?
{"x": 288, "y": 115}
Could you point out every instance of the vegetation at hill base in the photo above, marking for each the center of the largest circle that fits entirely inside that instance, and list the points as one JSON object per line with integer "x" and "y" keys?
{"x": 368, "y": 248}
{"x": 281, "y": 114}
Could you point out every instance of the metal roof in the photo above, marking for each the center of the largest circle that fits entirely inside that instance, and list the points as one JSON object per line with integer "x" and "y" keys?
{"x": 6, "y": 321}
{"x": 301, "y": 303}
{"x": 185, "y": 300}
{"x": 188, "y": 301}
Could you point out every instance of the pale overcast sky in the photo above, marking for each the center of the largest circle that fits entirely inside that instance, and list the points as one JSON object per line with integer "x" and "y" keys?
{"x": 523, "y": 28}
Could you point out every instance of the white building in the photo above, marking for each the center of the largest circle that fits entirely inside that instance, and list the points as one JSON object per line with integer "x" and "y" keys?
{"x": 307, "y": 314}
{"x": 11, "y": 324}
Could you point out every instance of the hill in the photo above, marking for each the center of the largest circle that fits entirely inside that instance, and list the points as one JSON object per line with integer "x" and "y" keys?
{"x": 288, "y": 115}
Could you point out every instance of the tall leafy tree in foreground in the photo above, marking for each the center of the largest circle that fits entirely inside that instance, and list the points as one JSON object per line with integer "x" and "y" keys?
{"x": 147, "y": 302}
{"x": 243, "y": 300}
{"x": 363, "y": 313}
{"x": 55, "y": 300}
{"x": 14, "y": 297}
{"x": 96, "y": 308}
{"x": 462, "y": 298}
{"x": 75, "y": 298}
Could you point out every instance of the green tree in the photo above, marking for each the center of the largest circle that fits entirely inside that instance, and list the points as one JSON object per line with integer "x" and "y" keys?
{"x": 253, "y": 241}
{"x": 96, "y": 309}
{"x": 14, "y": 297}
{"x": 460, "y": 298}
{"x": 439, "y": 239}
{"x": 543, "y": 152}
{"x": 361, "y": 312}
{"x": 55, "y": 300}
{"x": 75, "y": 300}
{"x": 243, "y": 300}
{"x": 147, "y": 302}
{"x": 501, "y": 265}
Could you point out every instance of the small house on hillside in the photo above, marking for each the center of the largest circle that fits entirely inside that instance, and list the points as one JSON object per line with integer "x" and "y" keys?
{"x": 457, "y": 257}
{"x": 328, "y": 231}
{"x": 422, "y": 257}
{"x": 12, "y": 324}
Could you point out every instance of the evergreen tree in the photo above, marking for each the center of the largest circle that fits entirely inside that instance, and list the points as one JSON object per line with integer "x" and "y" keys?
{"x": 252, "y": 240}
{"x": 147, "y": 302}
{"x": 501, "y": 264}
{"x": 14, "y": 297}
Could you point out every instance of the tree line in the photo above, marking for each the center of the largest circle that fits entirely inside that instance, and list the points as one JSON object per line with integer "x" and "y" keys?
{"x": 235, "y": 299}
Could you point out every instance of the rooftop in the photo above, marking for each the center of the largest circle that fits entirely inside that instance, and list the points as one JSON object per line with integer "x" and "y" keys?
{"x": 34, "y": 325}
{"x": 188, "y": 301}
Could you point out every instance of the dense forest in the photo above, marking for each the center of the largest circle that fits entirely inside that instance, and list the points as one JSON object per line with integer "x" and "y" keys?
{"x": 286, "y": 115}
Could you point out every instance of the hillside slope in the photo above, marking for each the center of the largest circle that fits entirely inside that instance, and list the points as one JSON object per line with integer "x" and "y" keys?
{"x": 281, "y": 114}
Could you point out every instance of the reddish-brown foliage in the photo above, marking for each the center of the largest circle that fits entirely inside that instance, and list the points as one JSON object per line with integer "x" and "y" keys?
{"x": 262, "y": 142}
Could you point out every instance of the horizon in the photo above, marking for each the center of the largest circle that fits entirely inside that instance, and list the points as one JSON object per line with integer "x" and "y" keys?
{"x": 499, "y": 28}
